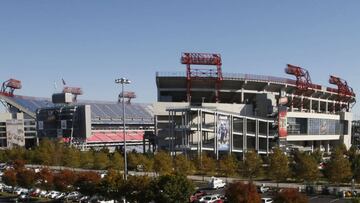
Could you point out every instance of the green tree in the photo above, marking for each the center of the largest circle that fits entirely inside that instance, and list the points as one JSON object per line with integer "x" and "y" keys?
{"x": 101, "y": 160}
{"x": 317, "y": 155}
{"x": 306, "y": 168}
{"x": 71, "y": 157}
{"x": 183, "y": 166}
{"x": 290, "y": 196}
{"x": 278, "y": 166}
{"x": 242, "y": 193}
{"x": 206, "y": 165}
{"x": 87, "y": 159}
{"x": 252, "y": 165}
{"x": 355, "y": 167}
{"x": 112, "y": 184}
{"x": 163, "y": 163}
{"x": 44, "y": 153}
{"x": 138, "y": 189}
{"x": 117, "y": 161}
{"x": 228, "y": 165}
{"x": 338, "y": 169}
{"x": 172, "y": 189}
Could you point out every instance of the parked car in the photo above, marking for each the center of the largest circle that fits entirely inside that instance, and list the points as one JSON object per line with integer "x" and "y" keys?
{"x": 210, "y": 199}
{"x": 197, "y": 195}
{"x": 60, "y": 196}
{"x": 73, "y": 195}
{"x": 216, "y": 183}
{"x": 43, "y": 193}
{"x": 52, "y": 194}
{"x": 266, "y": 200}
{"x": 20, "y": 190}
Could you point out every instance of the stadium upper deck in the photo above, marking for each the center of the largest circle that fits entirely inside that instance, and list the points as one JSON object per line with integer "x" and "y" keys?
{"x": 242, "y": 88}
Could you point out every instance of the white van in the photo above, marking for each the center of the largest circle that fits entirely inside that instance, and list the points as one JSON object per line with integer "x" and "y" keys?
{"x": 216, "y": 183}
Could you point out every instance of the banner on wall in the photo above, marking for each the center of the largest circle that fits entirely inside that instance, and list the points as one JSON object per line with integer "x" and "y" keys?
{"x": 15, "y": 133}
{"x": 282, "y": 121}
{"x": 223, "y": 133}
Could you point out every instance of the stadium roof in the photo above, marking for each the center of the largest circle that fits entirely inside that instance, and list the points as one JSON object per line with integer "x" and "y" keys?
{"x": 101, "y": 111}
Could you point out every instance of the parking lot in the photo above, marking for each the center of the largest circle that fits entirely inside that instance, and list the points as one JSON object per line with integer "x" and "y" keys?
{"x": 312, "y": 199}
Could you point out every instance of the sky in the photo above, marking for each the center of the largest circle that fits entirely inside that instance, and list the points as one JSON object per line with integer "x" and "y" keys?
{"x": 91, "y": 43}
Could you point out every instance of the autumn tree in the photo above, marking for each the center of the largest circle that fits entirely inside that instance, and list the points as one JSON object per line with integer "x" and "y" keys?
{"x": 172, "y": 189}
{"x": 71, "y": 157}
{"x": 25, "y": 178}
{"x": 9, "y": 177}
{"x": 64, "y": 180}
{"x": 290, "y": 195}
{"x": 101, "y": 160}
{"x": 87, "y": 159}
{"x": 117, "y": 161}
{"x": 306, "y": 167}
{"x": 242, "y": 193}
{"x": 228, "y": 165}
{"x": 111, "y": 185}
{"x": 206, "y": 165}
{"x": 45, "y": 178}
{"x": 338, "y": 169}
{"x": 278, "y": 166}
{"x": 183, "y": 165}
{"x": 43, "y": 154}
{"x": 88, "y": 182}
{"x": 252, "y": 165}
{"x": 163, "y": 163}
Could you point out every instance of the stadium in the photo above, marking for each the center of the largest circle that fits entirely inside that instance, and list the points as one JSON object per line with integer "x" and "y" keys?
{"x": 201, "y": 109}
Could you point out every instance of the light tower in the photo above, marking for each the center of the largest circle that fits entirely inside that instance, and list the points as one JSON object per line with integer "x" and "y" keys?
{"x": 123, "y": 81}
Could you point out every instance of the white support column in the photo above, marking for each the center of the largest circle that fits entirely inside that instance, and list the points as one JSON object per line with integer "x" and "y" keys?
{"x": 301, "y": 103}
{"x": 319, "y": 106}
{"x": 310, "y": 106}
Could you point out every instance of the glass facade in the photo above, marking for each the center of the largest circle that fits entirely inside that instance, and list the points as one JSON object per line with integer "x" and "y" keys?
{"x": 313, "y": 126}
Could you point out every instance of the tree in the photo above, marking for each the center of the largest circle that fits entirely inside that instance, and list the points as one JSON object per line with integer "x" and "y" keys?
{"x": 228, "y": 165}
{"x": 88, "y": 182}
{"x": 290, "y": 195}
{"x": 71, "y": 157}
{"x": 135, "y": 159}
{"x": 117, "y": 161}
{"x": 111, "y": 185}
{"x": 45, "y": 178}
{"x": 64, "y": 180}
{"x": 317, "y": 155}
{"x": 43, "y": 154}
{"x": 242, "y": 193}
{"x": 252, "y": 165}
{"x": 138, "y": 189}
{"x": 87, "y": 159}
{"x": 278, "y": 166}
{"x": 355, "y": 167}
{"x": 338, "y": 169}
{"x": 306, "y": 167}
{"x": 182, "y": 165}
{"x": 101, "y": 160}
{"x": 163, "y": 163}
{"x": 206, "y": 165}
{"x": 172, "y": 189}
{"x": 25, "y": 178}
{"x": 9, "y": 177}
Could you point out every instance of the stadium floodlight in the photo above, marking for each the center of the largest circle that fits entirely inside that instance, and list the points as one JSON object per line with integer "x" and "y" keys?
{"x": 124, "y": 81}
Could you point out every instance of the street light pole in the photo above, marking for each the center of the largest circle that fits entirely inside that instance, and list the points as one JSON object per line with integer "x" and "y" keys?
{"x": 124, "y": 81}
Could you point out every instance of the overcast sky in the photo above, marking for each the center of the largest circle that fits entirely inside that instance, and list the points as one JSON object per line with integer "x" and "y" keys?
{"x": 90, "y": 43}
